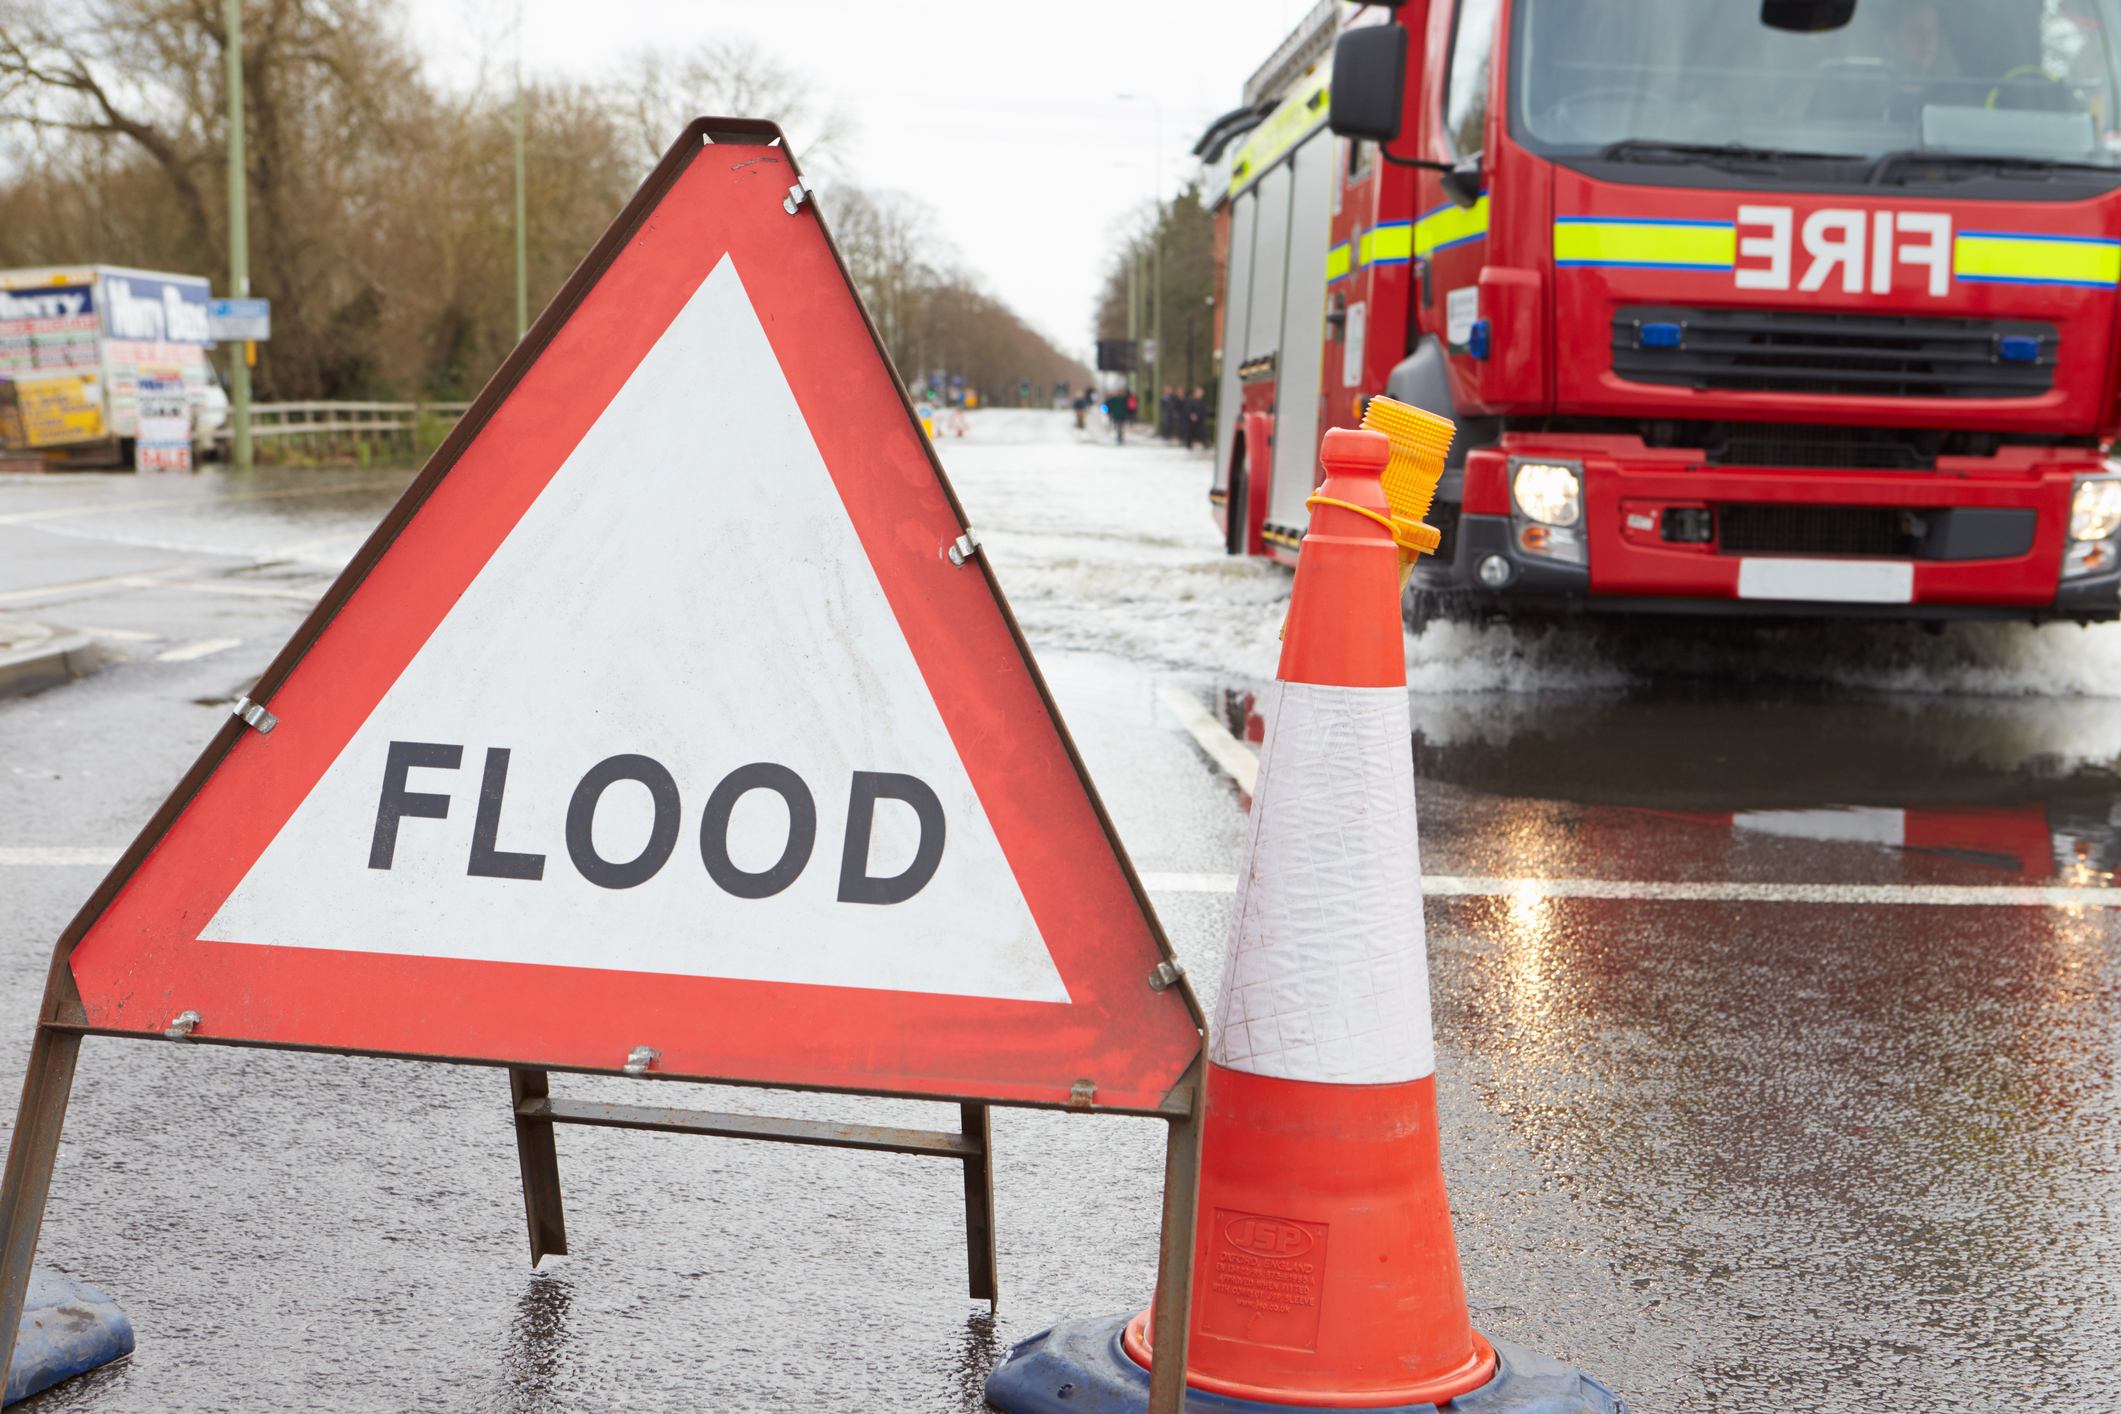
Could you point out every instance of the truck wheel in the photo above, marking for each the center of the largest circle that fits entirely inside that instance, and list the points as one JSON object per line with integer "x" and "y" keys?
{"x": 1422, "y": 607}
{"x": 1234, "y": 504}
{"x": 125, "y": 454}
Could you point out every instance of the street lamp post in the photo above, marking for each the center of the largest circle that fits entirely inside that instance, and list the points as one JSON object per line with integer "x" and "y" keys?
{"x": 1156, "y": 235}
{"x": 522, "y": 273}
{"x": 238, "y": 241}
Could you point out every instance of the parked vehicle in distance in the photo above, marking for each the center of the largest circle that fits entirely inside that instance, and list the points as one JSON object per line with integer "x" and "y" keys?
{"x": 75, "y": 343}
{"x": 1758, "y": 307}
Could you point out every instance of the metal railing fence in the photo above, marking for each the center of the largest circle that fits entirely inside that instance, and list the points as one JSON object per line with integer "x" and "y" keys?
{"x": 342, "y": 424}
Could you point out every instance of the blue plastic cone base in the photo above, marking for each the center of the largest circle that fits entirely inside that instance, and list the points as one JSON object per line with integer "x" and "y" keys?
{"x": 1078, "y": 1367}
{"x": 68, "y": 1327}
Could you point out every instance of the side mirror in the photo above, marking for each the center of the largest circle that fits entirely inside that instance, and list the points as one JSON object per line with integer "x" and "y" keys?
{"x": 1369, "y": 82}
{"x": 1806, "y": 16}
{"x": 1462, "y": 183}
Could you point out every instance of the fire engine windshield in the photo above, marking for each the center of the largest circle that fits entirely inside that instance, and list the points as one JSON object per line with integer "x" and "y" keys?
{"x": 2013, "y": 79}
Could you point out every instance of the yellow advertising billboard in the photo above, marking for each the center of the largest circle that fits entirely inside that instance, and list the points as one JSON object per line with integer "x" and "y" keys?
{"x": 52, "y": 410}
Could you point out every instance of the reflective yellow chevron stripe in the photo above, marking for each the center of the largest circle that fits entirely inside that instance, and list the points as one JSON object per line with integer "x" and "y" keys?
{"x": 1389, "y": 244}
{"x": 1449, "y": 225}
{"x": 2004, "y": 257}
{"x": 1644, "y": 245}
{"x": 1301, "y": 115}
{"x": 1337, "y": 262}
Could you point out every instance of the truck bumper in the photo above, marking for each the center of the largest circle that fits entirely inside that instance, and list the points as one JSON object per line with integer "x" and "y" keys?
{"x": 1983, "y": 539}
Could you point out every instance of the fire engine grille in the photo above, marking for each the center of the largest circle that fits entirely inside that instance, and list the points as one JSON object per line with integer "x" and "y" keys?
{"x": 1866, "y": 355}
{"x": 1828, "y": 448}
{"x": 1900, "y": 532}
{"x": 1811, "y": 530}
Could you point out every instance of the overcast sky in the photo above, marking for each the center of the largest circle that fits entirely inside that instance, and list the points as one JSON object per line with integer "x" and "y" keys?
{"x": 1004, "y": 117}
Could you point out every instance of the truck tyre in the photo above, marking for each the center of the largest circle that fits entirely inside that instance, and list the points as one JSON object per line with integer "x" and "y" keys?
{"x": 125, "y": 454}
{"x": 1234, "y": 502}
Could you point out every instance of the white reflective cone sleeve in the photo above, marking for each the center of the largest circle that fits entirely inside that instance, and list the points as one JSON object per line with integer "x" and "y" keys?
{"x": 1327, "y": 974}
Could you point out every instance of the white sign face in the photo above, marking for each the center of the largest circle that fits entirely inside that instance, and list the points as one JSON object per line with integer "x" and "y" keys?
{"x": 162, "y": 420}
{"x": 1461, "y": 310}
{"x": 671, "y": 727}
{"x": 1351, "y": 355}
{"x": 239, "y": 320}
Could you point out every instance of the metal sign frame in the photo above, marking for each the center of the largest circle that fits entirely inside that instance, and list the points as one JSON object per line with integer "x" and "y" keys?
{"x": 63, "y": 1019}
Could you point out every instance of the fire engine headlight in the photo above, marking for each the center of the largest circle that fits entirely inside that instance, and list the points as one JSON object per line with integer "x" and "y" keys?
{"x": 2095, "y": 511}
{"x": 1552, "y": 493}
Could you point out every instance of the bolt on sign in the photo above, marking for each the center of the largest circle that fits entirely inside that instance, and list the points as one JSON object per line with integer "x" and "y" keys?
{"x": 672, "y": 726}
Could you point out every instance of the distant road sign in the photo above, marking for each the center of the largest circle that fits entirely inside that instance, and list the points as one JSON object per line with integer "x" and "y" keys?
{"x": 674, "y": 712}
{"x": 1116, "y": 355}
{"x": 238, "y": 320}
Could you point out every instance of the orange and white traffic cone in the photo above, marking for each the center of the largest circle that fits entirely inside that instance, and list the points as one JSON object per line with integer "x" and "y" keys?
{"x": 1321, "y": 1183}
{"x": 1325, "y": 1270}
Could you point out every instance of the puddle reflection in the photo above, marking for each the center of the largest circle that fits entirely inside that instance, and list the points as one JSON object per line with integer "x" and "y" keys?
{"x": 538, "y": 1339}
{"x": 2028, "y": 787}
{"x": 979, "y": 1351}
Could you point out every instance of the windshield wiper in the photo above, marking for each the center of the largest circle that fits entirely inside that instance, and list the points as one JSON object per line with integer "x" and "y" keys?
{"x": 1637, "y": 149}
{"x": 2000, "y": 162}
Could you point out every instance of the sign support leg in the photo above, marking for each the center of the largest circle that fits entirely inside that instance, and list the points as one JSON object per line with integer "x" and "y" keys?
{"x": 1174, "y": 1266}
{"x": 30, "y": 1155}
{"x": 540, "y": 1161}
{"x": 979, "y": 1206}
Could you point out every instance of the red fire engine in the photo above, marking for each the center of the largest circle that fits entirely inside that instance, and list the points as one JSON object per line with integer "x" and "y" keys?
{"x": 1741, "y": 306}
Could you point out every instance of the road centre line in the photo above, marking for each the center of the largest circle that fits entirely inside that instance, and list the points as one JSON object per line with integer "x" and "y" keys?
{"x": 1238, "y": 760}
{"x": 1458, "y": 886}
{"x": 1927, "y": 895}
{"x": 1466, "y": 887}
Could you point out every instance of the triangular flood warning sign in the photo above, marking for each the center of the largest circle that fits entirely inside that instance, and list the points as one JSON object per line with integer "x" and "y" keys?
{"x": 658, "y": 714}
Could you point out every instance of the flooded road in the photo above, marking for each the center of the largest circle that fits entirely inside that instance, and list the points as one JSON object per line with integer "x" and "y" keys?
{"x": 1722, "y": 1136}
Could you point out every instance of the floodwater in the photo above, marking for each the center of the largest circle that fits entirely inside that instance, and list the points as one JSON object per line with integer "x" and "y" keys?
{"x": 1725, "y": 1151}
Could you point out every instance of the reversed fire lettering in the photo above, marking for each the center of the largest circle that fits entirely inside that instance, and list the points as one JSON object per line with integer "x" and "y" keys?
{"x": 1266, "y": 1279}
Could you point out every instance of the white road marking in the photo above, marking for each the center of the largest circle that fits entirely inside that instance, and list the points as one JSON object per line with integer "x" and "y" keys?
{"x": 203, "y": 648}
{"x": 41, "y": 855}
{"x": 146, "y": 579}
{"x": 164, "y": 579}
{"x": 288, "y": 552}
{"x": 1930, "y": 895}
{"x": 1455, "y": 886}
{"x": 1238, "y": 760}
{"x": 251, "y": 591}
{"x": 122, "y": 635}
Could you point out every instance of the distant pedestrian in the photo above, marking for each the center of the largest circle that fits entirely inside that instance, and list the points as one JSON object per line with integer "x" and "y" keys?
{"x": 1082, "y": 408}
{"x": 1195, "y": 416}
{"x": 1167, "y": 414}
{"x": 1119, "y": 407}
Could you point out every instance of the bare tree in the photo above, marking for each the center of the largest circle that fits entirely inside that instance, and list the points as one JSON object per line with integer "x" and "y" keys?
{"x": 382, "y": 205}
{"x": 334, "y": 109}
{"x": 931, "y": 311}
{"x": 659, "y": 94}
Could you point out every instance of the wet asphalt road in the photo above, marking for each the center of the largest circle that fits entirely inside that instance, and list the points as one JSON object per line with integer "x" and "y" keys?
{"x": 1727, "y": 1154}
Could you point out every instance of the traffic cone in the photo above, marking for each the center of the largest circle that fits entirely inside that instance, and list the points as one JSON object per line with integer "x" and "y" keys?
{"x": 1325, "y": 1273}
{"x": 1321, "y": 1176}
